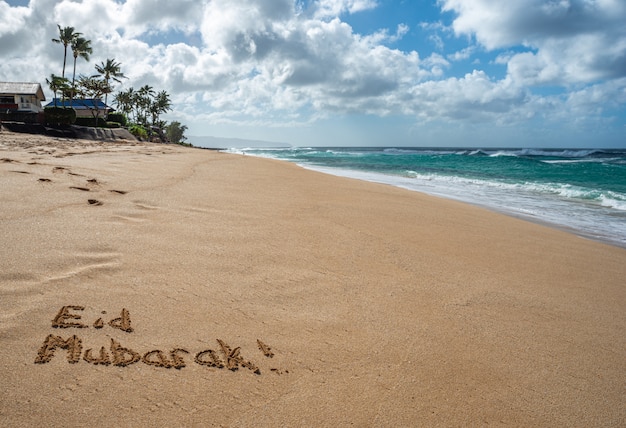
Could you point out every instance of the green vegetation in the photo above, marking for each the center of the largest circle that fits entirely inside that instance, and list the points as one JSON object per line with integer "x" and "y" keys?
{"x": 98, "y": 122}
{"x": 139, "y": 110}
{"x": 93, "y": 88}
{"x": 110, "y": 70}
{"x": 57, "y": 84}
{"x": 176, "y": 132}
{"x": 117, "y": 118}
{"x": 139, "y": 132}
{"x": 59, "y": 116}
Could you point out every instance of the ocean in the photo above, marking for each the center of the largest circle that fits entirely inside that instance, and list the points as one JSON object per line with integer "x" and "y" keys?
{"x": 582, "y": 191}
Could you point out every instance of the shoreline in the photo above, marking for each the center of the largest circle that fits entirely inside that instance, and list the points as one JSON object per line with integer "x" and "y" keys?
{"x": 381, "y": 178}
{"x": 509, "y": 213}
{"x": 359, "y": 303}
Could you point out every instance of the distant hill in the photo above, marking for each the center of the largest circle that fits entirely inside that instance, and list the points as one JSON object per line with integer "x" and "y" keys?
{"x": 228, "y": 143}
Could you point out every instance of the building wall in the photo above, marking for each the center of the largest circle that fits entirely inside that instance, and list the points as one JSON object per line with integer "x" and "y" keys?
{"x": 26, "y": 103}
{"x": 88, "y": 113}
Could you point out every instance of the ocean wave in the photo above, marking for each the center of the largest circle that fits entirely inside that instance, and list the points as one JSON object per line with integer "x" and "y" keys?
{"x": 565, "y": 153}
{"x": 604, "y": 198}
{"x": 571, "y": 161}
{"x": 559, "y": 153}
{"x": 394, "y": 150}
{"x": 503, "y": 153}
{"x": 342, "y": 153}
{"x": 253, "y": 150}
{"x": 473, "y": 152}
{"x": 611, "y": 202}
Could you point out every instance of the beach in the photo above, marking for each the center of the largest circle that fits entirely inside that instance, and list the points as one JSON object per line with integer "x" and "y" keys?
{"x": 156, "y": 285}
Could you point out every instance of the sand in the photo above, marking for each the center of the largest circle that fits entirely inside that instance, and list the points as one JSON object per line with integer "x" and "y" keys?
{"x": 154, "y": 285}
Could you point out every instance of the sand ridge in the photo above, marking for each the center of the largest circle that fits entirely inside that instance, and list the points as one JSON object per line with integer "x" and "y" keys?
{"x": 359, "y": 304}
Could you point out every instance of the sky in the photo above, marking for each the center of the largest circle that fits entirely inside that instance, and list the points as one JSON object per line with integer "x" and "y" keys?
{"x": 461, "y": 73}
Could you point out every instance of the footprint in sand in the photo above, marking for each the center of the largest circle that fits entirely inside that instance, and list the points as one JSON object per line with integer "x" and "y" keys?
{"x": 62, "y": 170}
{"x": 45, "y": 180}
{"x": 119, "y": 192}
{"x": 84, "y": 189}
{"x": 93, "y": 182}
{"x": 94, "y": 202}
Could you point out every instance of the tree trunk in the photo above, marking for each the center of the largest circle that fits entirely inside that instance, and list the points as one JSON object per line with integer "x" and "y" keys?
{"x": 73, "y": 87}
{"x": 64, "y": 61}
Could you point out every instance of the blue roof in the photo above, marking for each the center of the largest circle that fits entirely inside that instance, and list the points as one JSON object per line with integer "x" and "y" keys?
{"x": 79, "y": 104}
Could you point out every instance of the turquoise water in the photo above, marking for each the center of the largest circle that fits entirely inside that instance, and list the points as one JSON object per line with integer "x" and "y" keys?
{"x": 580, "y": 190}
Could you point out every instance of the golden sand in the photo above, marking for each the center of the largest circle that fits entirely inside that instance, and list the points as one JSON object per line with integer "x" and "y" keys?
{"x": 153, "y": 285}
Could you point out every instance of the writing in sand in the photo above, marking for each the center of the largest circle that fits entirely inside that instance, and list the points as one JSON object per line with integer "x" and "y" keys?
{"x": 118, "y": 355}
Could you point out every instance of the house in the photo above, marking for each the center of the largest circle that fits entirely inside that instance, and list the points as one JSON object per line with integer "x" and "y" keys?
{"x": 83, "y": 108}
{"x": 19, "y": 97}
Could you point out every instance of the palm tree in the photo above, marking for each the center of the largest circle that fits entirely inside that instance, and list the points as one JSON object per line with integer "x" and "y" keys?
{"x": 57, "y": 84}
{"x": 124, "y": 100}
{"x": 160, "y": 104}
{"x": 81, "y": 47}
{"x": 143, "y": 100}
{"x": 66, "y": 37}
{"x": 110, "y": 70}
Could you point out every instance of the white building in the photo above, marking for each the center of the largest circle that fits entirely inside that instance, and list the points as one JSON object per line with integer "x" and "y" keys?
{"x": 21, "y": 97}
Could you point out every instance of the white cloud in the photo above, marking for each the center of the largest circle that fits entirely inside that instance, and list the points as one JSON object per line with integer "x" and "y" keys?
{"x": 569, "y": 41}
{"x": 463, "y": 54}
{"x": 500, "y": 24}
{"x": 14, "y": 31}
{"x": 612, "y": 94}
{"x": 474, "y": 96}
{"x": 436, "y": 29}
{"x": 334, "y": 8}
{"x": 98, "y": 13}
{"x": 13, "y": 18}
{"x": 383, "y": 36}
{"x": 156, "y": 15}
{"x": 280, "y": 64}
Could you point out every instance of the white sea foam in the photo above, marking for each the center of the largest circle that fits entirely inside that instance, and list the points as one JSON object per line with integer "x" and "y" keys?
{"x": 542, "y": 152}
